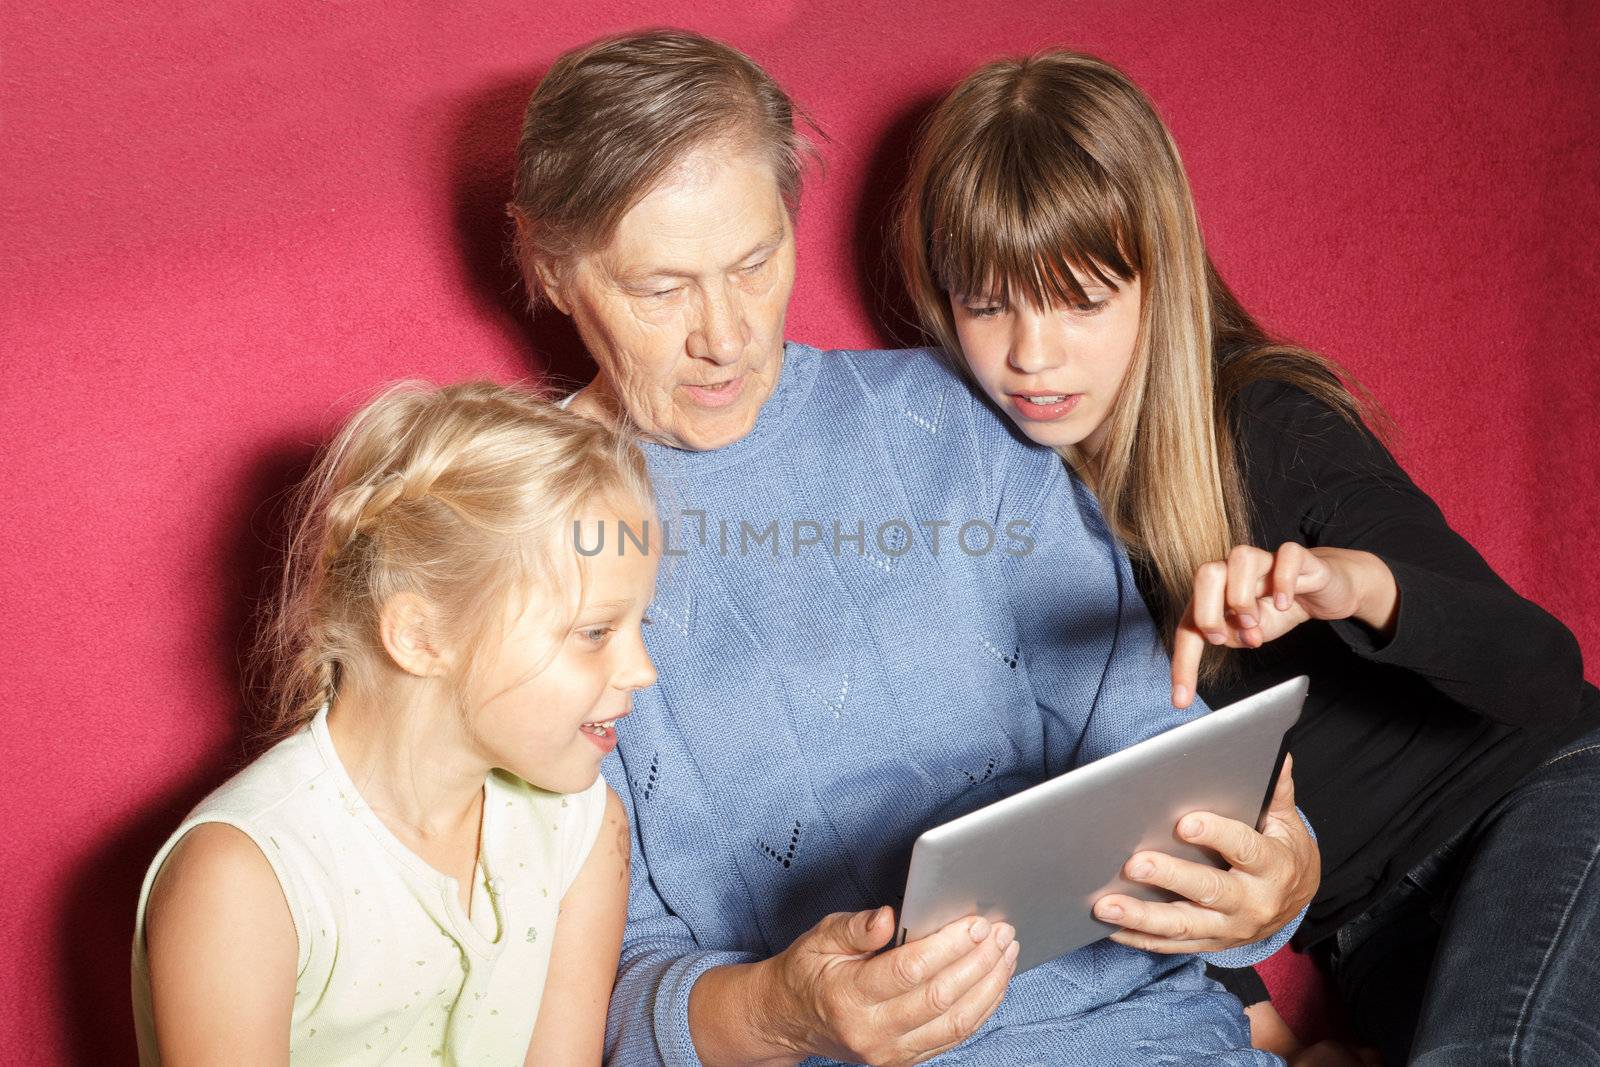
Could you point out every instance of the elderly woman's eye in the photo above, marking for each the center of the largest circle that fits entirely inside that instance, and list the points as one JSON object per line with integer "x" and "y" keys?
{"x": 659, "y": 293}
{"x": 754, "y": 268}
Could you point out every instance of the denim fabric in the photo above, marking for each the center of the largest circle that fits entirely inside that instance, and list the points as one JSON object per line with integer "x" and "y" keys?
{"x": 1488, "y": 952}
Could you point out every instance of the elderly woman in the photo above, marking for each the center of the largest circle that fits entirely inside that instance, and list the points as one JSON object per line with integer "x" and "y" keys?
{"x": 881, "y": 609}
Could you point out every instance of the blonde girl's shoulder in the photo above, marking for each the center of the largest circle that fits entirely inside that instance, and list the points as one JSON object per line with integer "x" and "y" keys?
{"x": 226, "y": 864}
{"x": 566, "y": 825}
{"x": 217, "y": 919}
{"x": 217, "y": 870}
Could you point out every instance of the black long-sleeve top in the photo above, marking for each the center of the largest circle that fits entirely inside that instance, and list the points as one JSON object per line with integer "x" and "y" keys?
{"x": 1402, "y": 742}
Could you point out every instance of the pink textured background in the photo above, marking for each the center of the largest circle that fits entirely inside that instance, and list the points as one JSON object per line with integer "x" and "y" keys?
{"x": 224, "y": 223}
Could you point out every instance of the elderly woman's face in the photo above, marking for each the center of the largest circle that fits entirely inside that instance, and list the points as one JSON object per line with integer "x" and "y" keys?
{"x": 683, "y": 311}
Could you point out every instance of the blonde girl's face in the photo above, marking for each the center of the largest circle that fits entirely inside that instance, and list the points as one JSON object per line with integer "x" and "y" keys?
{"x": 549, "y": 703}
{"x": 1057, "y": 371}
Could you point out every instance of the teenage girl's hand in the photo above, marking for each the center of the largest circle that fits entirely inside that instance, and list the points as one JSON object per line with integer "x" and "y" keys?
{"x": 1272, "y": 874}
{"x": 1256, "y": 596}
{"x": 833, "y": 993}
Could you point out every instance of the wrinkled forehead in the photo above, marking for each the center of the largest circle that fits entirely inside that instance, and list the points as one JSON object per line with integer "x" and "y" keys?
{"x": 711, "y": 211}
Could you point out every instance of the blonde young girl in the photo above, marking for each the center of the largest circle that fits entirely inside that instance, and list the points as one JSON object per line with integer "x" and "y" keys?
{"x": 383, "y": 884}
{"x": 1449, "y": 754}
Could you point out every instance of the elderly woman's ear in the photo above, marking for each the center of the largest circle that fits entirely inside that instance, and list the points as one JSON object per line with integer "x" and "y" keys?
{"x": 550, "y": 282}
{"x": 549, "y": 278}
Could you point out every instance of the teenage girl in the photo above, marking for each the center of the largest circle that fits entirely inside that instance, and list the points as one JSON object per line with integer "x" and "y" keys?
{"x": 383, "y": 884}
{"x": 1448, "y": 755}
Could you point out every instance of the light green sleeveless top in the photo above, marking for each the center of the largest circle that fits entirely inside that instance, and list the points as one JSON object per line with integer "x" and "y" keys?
{"x": 390, "y": 967}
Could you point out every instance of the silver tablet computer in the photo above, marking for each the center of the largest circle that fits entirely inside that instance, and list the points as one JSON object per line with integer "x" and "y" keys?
{"x": 1040, "y": 859}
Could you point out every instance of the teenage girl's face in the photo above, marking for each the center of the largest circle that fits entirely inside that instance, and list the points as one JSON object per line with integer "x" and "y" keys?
{"x": 1056, "y": 371}
{"x": 548, "y": 705}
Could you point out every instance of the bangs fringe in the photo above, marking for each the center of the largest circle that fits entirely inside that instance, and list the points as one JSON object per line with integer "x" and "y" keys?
{"x": 1010, "y": 224}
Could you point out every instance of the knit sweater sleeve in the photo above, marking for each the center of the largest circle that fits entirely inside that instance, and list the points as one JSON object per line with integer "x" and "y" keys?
{"x": 648, "y": 1021}
{"x": 1079, "y": 614}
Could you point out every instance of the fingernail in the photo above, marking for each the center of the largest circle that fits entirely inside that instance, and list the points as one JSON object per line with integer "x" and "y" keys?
{"x": 1216, "y": 638}
{"x": 1191, "y": 828}
{"x": 1005, "y": 936}
{"x": 980, "y": 929}
{"x": 1011, "y": 953}
{"x": 1110, "y": 911}
{"x": 1247, "y": 622}
{"x": 1180, "y": 696}
{"x": 1281, "y": 601}
{"x": 1142, "y": 869}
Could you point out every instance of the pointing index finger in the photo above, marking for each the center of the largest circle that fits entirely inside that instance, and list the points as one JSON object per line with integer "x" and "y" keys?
{"x": 1188, "y": 646}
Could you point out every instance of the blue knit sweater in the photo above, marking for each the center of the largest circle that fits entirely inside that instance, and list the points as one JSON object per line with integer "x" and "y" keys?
{"x": 834, "y": 684}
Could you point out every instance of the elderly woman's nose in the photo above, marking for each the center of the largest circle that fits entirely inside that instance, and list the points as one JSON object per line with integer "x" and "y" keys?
{"x": 721, "y": 334}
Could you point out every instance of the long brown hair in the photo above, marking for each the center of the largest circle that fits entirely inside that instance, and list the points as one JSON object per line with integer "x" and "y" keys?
{"x": 1031, "y": 169}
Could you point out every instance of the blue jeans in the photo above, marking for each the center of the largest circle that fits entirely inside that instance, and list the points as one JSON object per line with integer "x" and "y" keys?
{"x": 1488, "y": 952}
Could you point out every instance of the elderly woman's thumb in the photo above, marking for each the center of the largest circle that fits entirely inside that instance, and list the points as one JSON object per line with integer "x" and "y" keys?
{"x": 854, "y": 933}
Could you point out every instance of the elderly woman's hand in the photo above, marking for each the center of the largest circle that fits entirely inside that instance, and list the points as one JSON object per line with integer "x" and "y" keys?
{"x": 833, "y": 994}
{"x": 1272, "y": 875}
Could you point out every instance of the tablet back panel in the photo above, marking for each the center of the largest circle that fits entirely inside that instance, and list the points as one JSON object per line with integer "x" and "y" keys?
{"x": 1040, "y": 859}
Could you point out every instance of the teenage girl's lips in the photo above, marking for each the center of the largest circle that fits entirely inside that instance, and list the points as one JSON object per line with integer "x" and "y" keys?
{"x": 717, "y": 394}
{"x": 1045, "y": 407}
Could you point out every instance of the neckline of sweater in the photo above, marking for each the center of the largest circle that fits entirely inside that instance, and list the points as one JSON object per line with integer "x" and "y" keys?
{"x": 795, "y": 381}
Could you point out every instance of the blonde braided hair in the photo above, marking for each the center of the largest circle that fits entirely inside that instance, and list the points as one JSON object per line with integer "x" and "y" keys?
{"x": 461, "y": 495}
